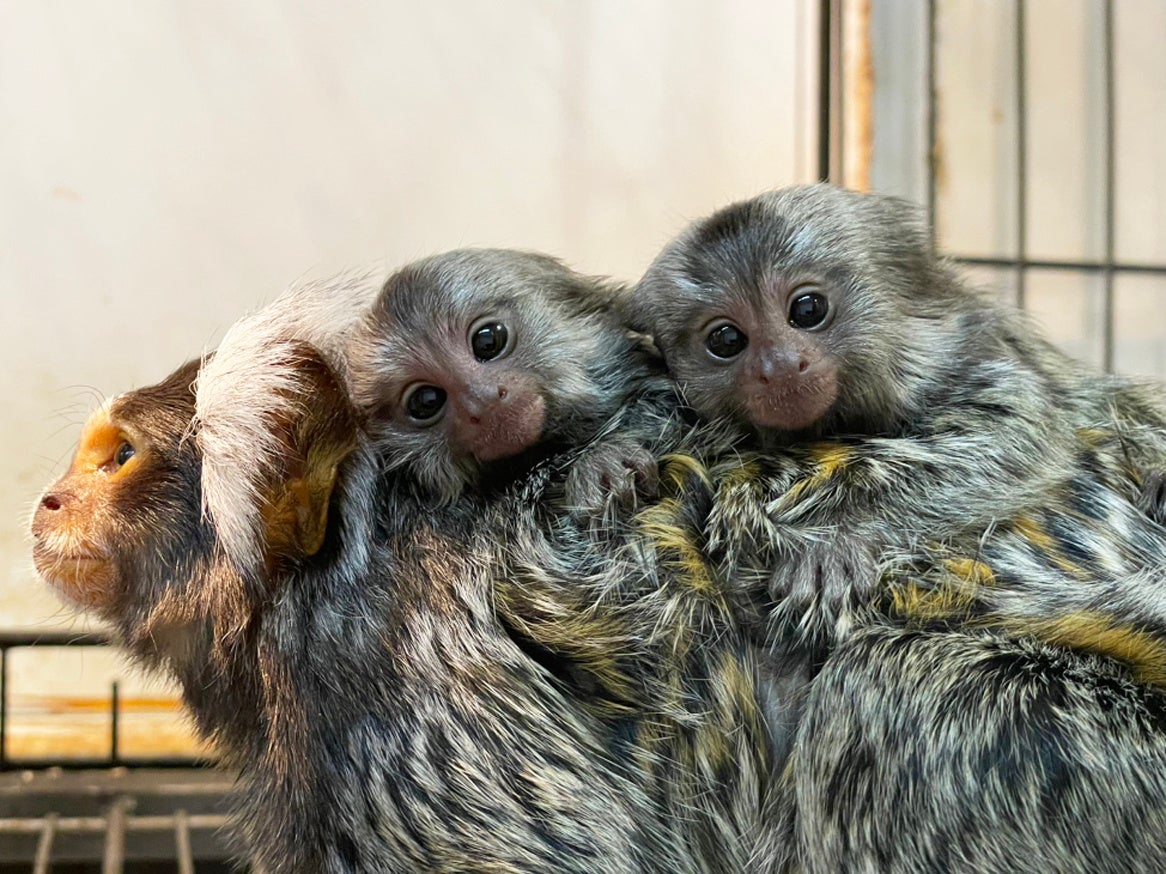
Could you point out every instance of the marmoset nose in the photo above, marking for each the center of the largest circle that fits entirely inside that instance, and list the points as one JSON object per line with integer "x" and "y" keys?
{"x": 53, "y": 501}
{"x": 478, "y": 399}
{"x": 776, "y": 364}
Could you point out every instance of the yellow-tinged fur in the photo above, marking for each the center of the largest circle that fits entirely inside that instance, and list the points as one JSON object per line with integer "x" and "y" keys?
{"x": 1098, "y": 633}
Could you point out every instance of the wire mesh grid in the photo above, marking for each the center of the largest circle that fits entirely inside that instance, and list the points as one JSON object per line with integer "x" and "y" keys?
{"x": 1032, "y": 134}
{"x": 109, "y": 812}
{"x": 1022, "y": 263}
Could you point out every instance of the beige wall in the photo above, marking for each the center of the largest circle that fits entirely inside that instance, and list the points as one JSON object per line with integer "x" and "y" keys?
{"x": 165, "y": 166}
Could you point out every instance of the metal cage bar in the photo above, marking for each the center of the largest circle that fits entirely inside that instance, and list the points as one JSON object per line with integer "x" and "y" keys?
{"x": 828, "y": 56}
{"x": 160, "y": 819}
{"x": 115, "y": 825}
{"x": 932, "y": 122}
{"x": 1108, "y": 337}
{"x": 44, "y": 846}
{"x": 21, "y": 640}
{"x": 1021, "y": 156}
{"x": 1109, "y": 267}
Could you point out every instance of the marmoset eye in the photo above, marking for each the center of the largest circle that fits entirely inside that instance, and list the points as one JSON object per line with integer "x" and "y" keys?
{"x": 726, "y": 341}
{"x": 808, "y": 310}
{"x": 489, "y": 340}
{"x": 425, "y": 402}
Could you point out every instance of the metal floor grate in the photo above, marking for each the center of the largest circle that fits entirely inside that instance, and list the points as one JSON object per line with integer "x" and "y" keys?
{"x": 112, "y": 821}
{"x": 108, "y": 813}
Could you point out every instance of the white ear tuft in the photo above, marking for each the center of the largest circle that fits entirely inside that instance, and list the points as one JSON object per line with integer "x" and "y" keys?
{"x": 253, "y": 381}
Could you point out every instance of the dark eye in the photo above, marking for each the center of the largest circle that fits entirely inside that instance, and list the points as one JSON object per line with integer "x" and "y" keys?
{"x": 726, "y": 341}
{"x": 425, "y": 402}
{"x": 489, "y": 340}
{"x": 808, "y": 310}
{"x": 124, "y": 453}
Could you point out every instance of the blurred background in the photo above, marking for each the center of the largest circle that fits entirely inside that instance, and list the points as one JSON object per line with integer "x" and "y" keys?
{"x": 166, "y": 167}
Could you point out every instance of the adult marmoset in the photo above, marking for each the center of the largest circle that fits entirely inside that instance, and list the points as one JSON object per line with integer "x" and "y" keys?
{"x": 343, "y": 643}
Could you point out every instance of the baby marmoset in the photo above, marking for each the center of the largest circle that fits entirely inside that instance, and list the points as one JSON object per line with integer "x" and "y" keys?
{"x": 475, "y": 361}
{"x": 814, "y": 313}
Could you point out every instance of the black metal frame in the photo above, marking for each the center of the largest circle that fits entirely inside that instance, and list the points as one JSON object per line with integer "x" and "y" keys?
{"x": 20, "y": 640}
{"x": 827, "y": 56}
{"x": 829, "y": 130}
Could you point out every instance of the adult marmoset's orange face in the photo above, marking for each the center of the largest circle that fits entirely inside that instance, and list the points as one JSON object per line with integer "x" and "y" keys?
{"x": 127, "y": 509}
{"x": 124, "y": 532}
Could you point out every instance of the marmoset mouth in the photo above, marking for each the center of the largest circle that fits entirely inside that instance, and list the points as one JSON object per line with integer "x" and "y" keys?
{"x": 81, "y": 577}
{"x": 511, "y": 430}
{"x": 794, "y": 408}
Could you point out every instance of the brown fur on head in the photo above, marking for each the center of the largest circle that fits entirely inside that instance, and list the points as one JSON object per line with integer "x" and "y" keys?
{"x": 123, "y": 532}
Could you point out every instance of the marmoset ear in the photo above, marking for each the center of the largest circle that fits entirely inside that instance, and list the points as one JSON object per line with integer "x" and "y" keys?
{"x": 274, "y": 422}
{"x": 319, "y": 430}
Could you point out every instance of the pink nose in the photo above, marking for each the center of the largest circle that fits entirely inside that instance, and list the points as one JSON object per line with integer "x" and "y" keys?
{"x": 475, "y": 401}
{"x": 781, "y": 363}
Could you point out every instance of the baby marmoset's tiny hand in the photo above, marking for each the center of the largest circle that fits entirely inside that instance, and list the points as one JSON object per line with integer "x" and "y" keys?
{"x": 618, "y": 470}
{"x": 822, "y": 579}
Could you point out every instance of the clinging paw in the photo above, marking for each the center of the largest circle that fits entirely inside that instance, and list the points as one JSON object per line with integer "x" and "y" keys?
{"x": 822, "y": 580}
{"x": 617, "y": 472}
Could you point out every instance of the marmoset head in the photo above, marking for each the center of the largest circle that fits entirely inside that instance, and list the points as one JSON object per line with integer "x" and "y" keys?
{"x": 128, "y": 507}
{"x": 478, "y": 355}
{"x": 808, "y": 309}
{"x": 141, "y": 531}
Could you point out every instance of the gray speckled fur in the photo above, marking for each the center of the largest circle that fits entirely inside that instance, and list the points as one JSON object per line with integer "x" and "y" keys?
{"x": 939, "y": 751}
{"x": 954, "y": 414}
{"x": 381, "y": 698}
